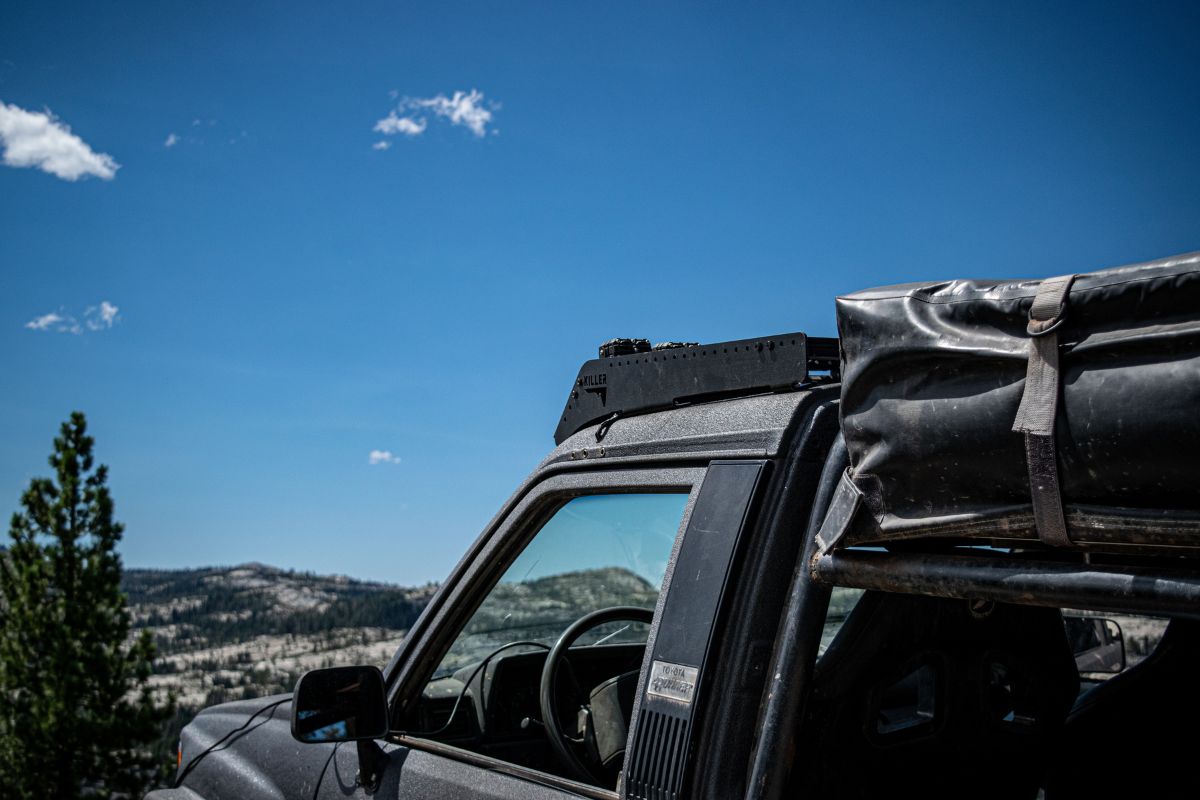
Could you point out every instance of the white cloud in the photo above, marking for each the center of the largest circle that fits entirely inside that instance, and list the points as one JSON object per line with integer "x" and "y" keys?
{"x": 95, "y": 318}
{"x": 101, "y": 317}
{"x": 39, "y": 139}
{"x": 382, "y": 457}
{"x": 406, "y": 125}
{"x": 171, "y": 141}
{"x": 58, "y": 323}
{"x": 466, "y": 109}
{"x": 45, "y": 322}
{"x": 382, "y": 144}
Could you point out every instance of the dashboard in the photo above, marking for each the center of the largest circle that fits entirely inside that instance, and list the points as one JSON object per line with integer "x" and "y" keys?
{"x": 498, "y": 712}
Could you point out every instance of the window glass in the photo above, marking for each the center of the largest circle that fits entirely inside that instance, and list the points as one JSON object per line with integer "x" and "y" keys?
{"x": 937, "y": 687}
{"x": 841, "y": 603}
{"x": 596, "y": 552}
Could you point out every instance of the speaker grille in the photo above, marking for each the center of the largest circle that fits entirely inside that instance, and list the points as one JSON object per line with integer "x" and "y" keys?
{"x": 656, "y": 768}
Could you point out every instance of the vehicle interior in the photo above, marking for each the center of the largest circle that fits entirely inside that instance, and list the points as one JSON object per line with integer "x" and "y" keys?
{"x": 916, "y": 695}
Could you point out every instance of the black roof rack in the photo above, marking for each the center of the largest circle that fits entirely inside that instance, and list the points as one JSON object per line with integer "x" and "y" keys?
{"x": 632, "y": 378}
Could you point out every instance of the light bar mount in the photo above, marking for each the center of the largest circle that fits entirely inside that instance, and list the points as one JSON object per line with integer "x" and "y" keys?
{"x": 618, "y": 386}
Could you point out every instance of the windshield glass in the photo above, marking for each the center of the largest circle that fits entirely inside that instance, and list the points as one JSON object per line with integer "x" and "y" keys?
{"x": 595, "y": 552}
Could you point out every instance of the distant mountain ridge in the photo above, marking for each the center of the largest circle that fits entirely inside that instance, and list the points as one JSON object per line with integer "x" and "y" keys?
{"x": 560, "y": 599}
{"x": 188, "y": 609}
{"x": 229, "y": 633}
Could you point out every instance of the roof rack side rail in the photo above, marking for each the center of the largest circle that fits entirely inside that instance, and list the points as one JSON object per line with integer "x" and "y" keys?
{"x": 1021, "y": 579}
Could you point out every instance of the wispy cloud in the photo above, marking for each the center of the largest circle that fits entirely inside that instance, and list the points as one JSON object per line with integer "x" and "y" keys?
{"x": 382, "y": 144}
{"x": 53, "y": 322}
{"x": 39, "y": 139}
{"x": 101, "y": 317}
{"x": 406, "y": 125}
{"x": 201, "y": 132}
{"x": 382, "y": 457}
{"x": 95, "y": 318}
{"x": 465, "y": 109}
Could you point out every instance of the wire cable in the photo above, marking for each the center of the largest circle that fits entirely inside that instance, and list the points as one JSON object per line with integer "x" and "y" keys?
{"x": 192, "y": 764}
{"x": 324, "y": 769}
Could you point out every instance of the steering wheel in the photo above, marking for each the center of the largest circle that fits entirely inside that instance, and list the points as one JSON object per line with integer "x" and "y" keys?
{"x": 559, "y": 741}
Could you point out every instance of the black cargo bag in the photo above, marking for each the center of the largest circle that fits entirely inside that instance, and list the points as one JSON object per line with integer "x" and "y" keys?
{"x": 1065, "y": 410}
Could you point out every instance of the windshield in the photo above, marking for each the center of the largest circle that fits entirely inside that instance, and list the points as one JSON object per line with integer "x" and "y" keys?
{"x": 595, "y": 552}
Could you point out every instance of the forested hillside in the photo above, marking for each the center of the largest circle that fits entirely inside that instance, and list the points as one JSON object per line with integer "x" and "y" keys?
{"x": 192, "y": 609}
{"x": 229, "y": 633}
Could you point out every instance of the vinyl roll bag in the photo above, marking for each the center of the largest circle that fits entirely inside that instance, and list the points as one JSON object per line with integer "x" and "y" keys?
{"x": 1064, "y": 411}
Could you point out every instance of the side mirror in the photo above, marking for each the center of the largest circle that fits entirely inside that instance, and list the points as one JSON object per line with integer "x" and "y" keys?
{"x": 1097, "y": 644}
{"x": 342, "y": 704}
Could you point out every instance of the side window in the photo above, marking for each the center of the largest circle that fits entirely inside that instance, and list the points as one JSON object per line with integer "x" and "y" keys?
{"x": 841, "y": 603}
{"x": 596, "y": 552}
{"x": 907, "y": 704}
{"x": 910, "y": 703}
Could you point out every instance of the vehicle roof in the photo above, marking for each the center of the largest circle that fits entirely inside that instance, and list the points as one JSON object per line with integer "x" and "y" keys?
{"x": 743, "y": 427}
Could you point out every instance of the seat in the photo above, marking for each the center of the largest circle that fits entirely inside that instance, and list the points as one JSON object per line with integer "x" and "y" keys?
{"x": 1133, "y": 736}
{"x": 938, "y": 698}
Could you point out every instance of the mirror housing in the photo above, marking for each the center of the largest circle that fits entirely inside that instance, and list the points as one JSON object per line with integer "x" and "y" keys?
{"x": 340, "y": 704}
{"x": 1097, "y": 643}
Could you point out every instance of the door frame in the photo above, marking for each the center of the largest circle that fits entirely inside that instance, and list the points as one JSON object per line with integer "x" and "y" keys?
{"x": 479, "y": 571}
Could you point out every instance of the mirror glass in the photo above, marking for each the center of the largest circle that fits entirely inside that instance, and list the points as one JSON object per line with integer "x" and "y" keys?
{"x": 1097, "y": 644}
{"x": 339, "y": 705}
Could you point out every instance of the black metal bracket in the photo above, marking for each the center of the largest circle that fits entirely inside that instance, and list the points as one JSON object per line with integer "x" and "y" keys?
{"x": 370, "y": 765}
{"x": 632, "y": 383}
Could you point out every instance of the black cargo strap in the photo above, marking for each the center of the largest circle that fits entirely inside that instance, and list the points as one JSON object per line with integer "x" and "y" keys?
{"x": 843, "y": 508}
{"x": 1039, "y": 408}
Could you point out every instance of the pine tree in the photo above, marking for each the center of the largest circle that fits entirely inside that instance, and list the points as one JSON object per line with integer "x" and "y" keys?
{"x": 77, "y": 717}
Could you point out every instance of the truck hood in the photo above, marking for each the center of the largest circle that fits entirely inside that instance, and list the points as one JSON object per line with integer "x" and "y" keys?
{"x": 259, "y": 761}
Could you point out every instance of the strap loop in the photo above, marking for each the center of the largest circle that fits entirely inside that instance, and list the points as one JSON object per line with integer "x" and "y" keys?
{"x": 1038, "y": 411}
{"x": 1037, "y": 327}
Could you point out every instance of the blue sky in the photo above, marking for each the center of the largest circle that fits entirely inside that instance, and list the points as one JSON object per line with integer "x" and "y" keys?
{"x": 290, "y": 298}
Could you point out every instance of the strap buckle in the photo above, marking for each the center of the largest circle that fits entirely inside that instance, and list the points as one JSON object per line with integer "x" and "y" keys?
{"x": 1035, "y": 329}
